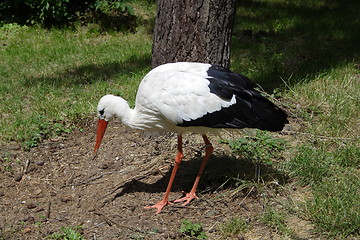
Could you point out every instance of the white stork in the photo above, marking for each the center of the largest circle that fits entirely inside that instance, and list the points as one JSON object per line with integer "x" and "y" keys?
{"x": 191, "y": 97}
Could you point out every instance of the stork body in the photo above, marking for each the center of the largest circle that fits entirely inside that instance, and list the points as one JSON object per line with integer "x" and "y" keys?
{"x": 191, "y": 97}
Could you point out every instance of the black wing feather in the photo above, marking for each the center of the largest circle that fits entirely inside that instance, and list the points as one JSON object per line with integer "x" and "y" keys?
{"x": 251, "y": 110}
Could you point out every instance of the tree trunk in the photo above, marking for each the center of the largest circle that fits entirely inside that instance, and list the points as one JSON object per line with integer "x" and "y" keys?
{"x": 193, "y": 31}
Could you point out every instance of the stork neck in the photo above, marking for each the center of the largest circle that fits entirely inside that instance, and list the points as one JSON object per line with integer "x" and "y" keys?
{"x": 133, "y": 118}
{"x": 125, "y": 113}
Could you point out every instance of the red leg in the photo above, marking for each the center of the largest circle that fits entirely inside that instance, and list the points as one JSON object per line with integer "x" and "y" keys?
{"x": 192, "y": 194}
{"x": 160, "y": 205}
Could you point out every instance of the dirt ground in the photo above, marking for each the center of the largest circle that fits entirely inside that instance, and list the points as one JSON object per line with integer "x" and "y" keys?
{"x": 62, "y": 183}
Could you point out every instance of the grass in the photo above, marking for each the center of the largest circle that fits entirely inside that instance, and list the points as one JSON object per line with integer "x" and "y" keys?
{"x": 67, "y": 233}
{"x": 233, "y": 227}
{"x": 261, "y": 148}
{"x": 334, "y": 178}
{"x": 335, "y": 205}
{"x": 331, "y": 99}
{"x": 305, "y": 52}
{"x": 277, "y": 220}
{"x": 328, "y": 158}
{"x": 62, "y": 75}
{"x": 294, "y": 46}
{"x": 192, "y": 230}
{"x": 293, "y": 40}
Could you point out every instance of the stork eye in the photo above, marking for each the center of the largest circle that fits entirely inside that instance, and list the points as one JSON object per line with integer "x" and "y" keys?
{"x": 102, "y": 112}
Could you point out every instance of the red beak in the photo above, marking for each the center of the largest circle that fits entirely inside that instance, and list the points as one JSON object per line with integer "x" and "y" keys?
{"x": 100, "y": 133}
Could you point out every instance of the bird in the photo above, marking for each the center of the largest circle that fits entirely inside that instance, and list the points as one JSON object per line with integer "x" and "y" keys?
{"x": 185, "y": 97}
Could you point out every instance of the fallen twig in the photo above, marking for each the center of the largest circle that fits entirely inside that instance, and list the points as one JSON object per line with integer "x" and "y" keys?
{"x": 48, "y": 211}
{"x": 105, "y": 219}
{"x": 26, "y": 166}
{"x": 87, "y": 181}
{"x": 111, "y": 222}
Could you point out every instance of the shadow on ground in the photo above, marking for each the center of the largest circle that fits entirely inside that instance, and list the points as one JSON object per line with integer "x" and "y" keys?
{"x": 92, "y": 73}
{"x": 273, "y": 40}
{"x": 221, "y": 173}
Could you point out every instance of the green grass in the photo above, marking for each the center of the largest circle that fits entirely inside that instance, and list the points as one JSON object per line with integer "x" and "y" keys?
{"x": 306, "y": 52}
{"x": 328, "y": 156}
{"x": 67, "y": 233}
{"x": 56, "y": 77}
{"x": 334, "y": 178}
{"x": 192, "y": 230}
{"x": 277, "y": 220}
{"x": 233, "y": 227}
{"x": 335, "y": 205}
{"x": 293, "y": 40}
{"x": 332, "y": 100}
{"x": 260, "y": 148}
{"x": 310, "y": 49}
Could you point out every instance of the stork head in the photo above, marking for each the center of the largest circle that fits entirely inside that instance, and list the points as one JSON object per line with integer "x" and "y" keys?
{"x": 109, "y": 106}
{"x": 105, "y": 111}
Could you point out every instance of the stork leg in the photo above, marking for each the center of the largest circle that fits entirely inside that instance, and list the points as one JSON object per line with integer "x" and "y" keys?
{"x": 192, "y": 194}
{"x": 160, "y": 205}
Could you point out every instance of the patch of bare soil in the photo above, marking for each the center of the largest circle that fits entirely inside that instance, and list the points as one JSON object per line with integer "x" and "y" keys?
{"x": 61, "y": 183}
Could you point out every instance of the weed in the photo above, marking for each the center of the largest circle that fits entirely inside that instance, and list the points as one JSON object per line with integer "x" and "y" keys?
{"x": 192, "y": 230}
{"x": 6, "y": 161}
{"x": 310, "y": 164}
{"x": 10, "y": 30}
{"x": 38, "y": 224}
{"x": 136, "y": 236}
{"x": 276, "y": 220}
{"x": 261, "y": 148}
{"x": 67, "y": 233}
{"x": 106, "y": 6}
{"x": 233, "y": 227}
{"x": 44, "y": 129}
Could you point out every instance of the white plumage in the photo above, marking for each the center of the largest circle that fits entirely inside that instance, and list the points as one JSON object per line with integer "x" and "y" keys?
{"x": 167, "y": 96}
{"x": 191, "y": 97}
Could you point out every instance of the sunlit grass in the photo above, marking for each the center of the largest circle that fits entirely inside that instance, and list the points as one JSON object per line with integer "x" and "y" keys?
{"x": 328, "y": 153}
{"x": 61, "y": 75}
{"x": 335, "y": 204}
{"x": 233, "y": 227}
{"x": 332, "y": 100}
{"x": 333, "y": 175}
{"x": 276, "y": 220}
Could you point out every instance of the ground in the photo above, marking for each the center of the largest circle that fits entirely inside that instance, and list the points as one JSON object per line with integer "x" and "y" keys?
{"x": 62, "y": 183}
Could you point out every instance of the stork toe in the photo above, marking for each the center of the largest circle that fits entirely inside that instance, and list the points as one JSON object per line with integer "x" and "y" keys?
{"x": 159, "y": 206}
{"x": 187, "y": 198}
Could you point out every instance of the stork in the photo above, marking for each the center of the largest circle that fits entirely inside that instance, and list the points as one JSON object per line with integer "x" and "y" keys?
{"x": 193, "y": 97}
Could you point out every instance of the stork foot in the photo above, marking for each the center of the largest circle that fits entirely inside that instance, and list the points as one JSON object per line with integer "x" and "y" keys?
{"x": 188, "y": 198}
{"x": 159, "y": 206}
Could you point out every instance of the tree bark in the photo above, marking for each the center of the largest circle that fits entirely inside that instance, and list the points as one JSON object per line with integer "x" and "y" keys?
{"x": 193, "y": 31}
